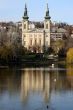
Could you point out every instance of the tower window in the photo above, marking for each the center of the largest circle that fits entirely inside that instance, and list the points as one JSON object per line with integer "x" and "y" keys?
{"x": 24, "y": 26}
{"x": 46, "y": 26}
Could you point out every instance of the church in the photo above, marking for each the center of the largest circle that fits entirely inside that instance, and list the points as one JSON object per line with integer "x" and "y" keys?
{"x": 36, "y": 39}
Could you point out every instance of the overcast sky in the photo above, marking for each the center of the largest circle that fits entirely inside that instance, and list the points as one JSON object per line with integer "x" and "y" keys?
{"x": 60, "y": 10}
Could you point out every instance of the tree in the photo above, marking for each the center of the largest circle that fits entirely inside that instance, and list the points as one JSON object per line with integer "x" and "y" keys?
{"x": 62, "y": 53}
{"x": 57, "y": 45}
{"x": 70, "y": 55}
{"x": 50, "y": 50}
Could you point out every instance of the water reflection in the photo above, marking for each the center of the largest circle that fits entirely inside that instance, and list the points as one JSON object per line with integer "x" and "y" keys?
{"x": 33, "y": 88}
{"x": 35, "y": 81}
{"x": 70, "y": 75}
{"x": 9, "y": 81}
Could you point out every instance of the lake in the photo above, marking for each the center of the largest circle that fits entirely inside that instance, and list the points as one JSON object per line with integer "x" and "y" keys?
{"x": 42, "y": 88}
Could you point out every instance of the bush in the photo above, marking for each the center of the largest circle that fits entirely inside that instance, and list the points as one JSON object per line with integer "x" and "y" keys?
{"x": 12, "y": 53}
{"x": 50, "y": 51}
{"x": 62, "y": 53}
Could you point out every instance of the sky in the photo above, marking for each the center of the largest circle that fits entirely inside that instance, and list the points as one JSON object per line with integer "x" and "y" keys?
{"x": 60, "y": 10}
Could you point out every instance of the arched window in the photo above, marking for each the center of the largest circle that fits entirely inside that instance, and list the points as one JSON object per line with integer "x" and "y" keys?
{"x": 46, "y": 26}
{"x": 24, "y": 26}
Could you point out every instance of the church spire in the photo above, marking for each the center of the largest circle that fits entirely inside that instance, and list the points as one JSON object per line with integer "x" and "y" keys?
{"x": 25, "y": 13}
{"x": 47, "y": 13}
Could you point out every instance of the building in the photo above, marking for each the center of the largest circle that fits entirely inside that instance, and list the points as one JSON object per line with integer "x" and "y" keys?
{"x": 58, "y": 33}
{"x": 36, "y": 39}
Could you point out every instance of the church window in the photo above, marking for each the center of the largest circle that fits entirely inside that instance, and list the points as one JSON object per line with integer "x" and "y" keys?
{"x": 40, "y": 41}
{"x": 24, "y": 26}
{"x": 30, "y": 42}
{"x": 35, "y": 41}
{"x": 46, "y": 26}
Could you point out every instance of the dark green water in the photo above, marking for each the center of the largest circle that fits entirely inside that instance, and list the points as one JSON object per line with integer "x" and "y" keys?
{"x": 36, "y": 88}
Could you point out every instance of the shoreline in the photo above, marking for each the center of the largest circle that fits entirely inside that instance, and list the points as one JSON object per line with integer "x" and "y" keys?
{"x": 32, "y": 63}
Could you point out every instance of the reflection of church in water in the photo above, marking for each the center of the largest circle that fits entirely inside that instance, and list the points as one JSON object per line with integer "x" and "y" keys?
{"x": 35, "y": 81}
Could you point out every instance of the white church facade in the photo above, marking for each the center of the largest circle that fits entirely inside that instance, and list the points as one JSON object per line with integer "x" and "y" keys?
{"x": 36, "y": 39}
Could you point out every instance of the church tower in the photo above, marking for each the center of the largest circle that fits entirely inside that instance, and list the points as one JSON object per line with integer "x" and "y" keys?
{"x": 47, "y": 22}
{"x": 25, "y": 25}
{"x": 25, "y": 20}
{"x": 37, "y": 38}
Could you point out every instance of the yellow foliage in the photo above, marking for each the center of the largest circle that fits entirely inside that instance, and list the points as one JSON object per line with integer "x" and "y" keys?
{"x": 69, "y": 70}
{"x": 70, "y": 56}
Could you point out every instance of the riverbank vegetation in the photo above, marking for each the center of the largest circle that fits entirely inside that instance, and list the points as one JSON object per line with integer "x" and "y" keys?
{"x": 15, "y": 54}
